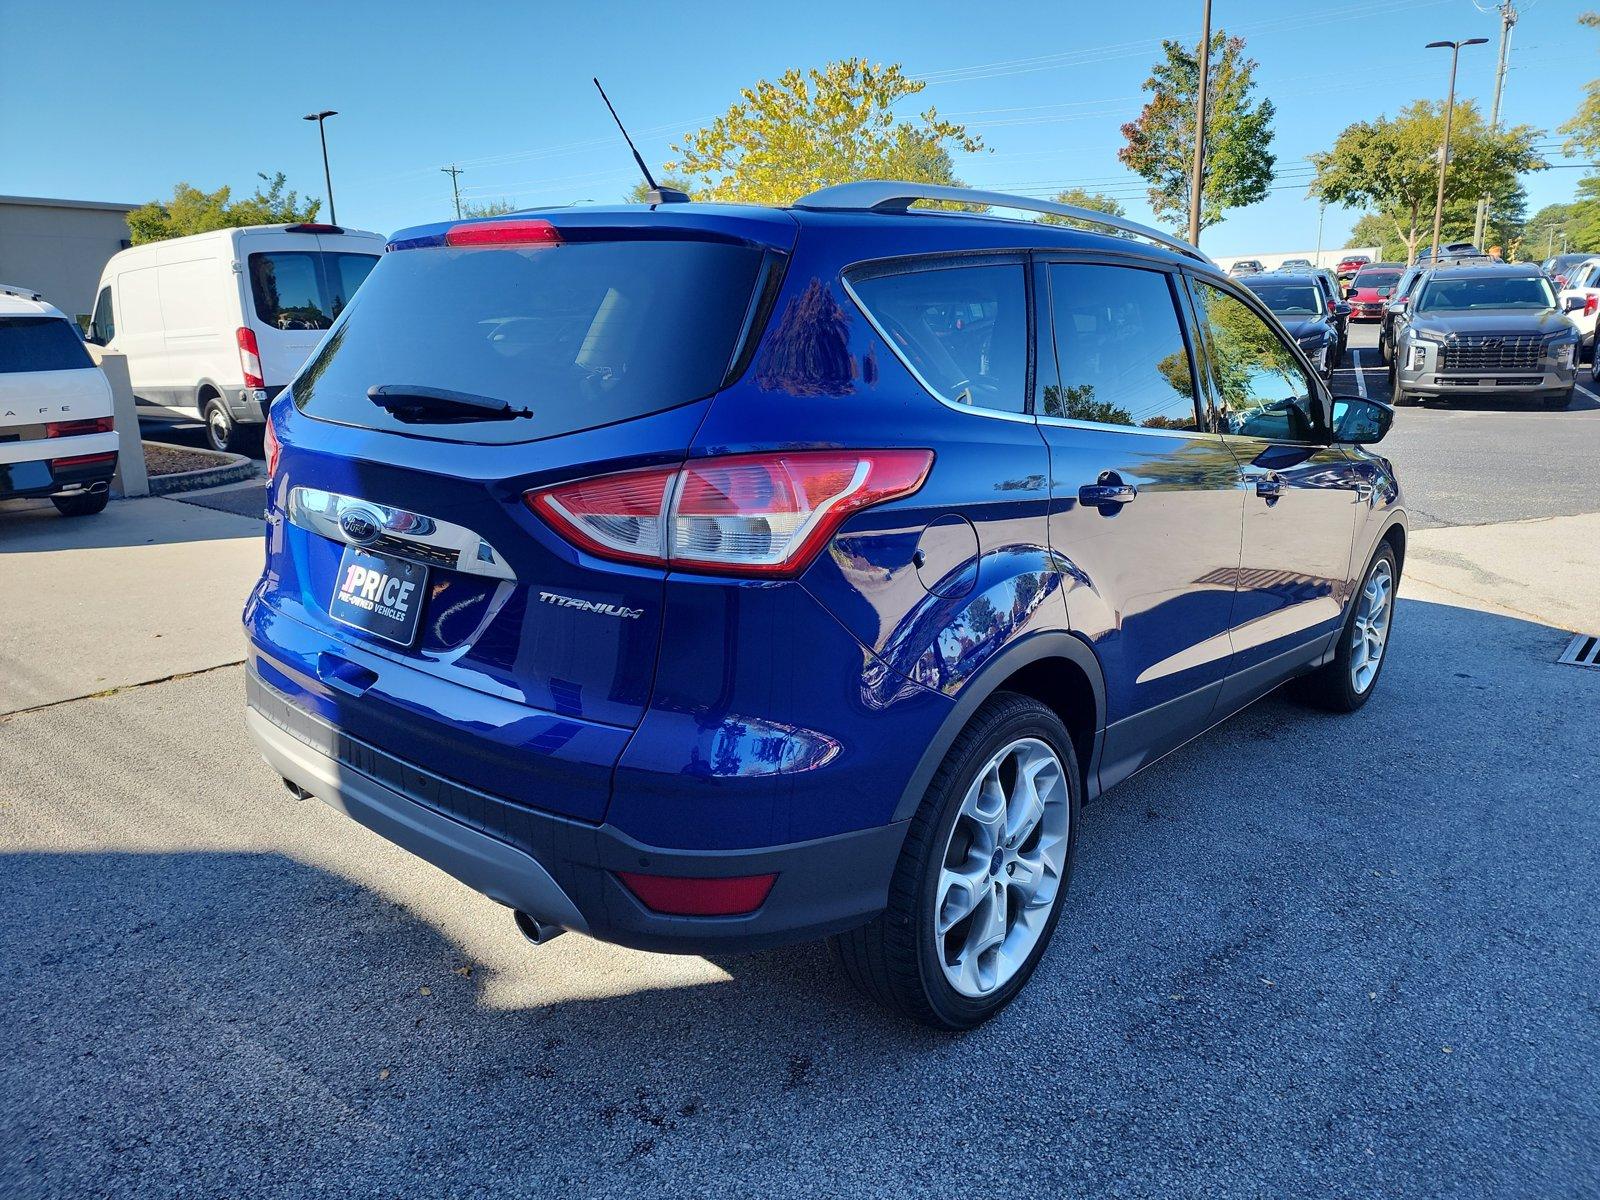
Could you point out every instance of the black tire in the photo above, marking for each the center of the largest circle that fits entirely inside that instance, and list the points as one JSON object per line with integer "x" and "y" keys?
{"x": 81, "y": 504}
{"x": 1564, "y": 400}
{"x": 225, "y": 435}
{"x": 894, "y": 959}
{"x": 1401, "y": 397}
{"x": 1383, "y": 349}
{"x": 1330, "y": 686}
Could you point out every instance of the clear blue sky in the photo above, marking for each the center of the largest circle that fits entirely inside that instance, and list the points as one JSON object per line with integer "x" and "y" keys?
{"x": 119, "y": 101}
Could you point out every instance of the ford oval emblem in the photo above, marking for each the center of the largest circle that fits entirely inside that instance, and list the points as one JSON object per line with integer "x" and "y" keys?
{"x": 361, "y": 525}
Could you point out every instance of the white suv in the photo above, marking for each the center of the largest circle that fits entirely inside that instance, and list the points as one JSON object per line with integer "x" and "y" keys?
{"x": 56, "y": 436}
{"x": 1580, "y": 299}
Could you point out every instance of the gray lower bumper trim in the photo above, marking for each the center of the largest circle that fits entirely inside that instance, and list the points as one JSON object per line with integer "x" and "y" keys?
{"x": 499, "y": 871}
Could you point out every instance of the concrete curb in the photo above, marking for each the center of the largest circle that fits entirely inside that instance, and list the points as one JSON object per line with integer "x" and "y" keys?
{"x": 230, "y": 468}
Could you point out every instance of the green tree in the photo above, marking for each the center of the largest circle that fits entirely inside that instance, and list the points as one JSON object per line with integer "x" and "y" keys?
{"x": 193, "y": 211}
{"x": 1392, "y": 166}
{"x": 488, "y": 208}
{"x": 810, "y": 129}
{"x": 1160, "y": 144}
{"x": 637, "y": 193}
{"x": 1083, "y": 198}
{"x": 1506, "y": 228}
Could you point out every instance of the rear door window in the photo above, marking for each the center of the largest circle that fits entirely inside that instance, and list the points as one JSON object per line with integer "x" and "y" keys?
{"x": 305, "y": 289}
{"x": 584, "y": 334}
{"x": 1121, "y": 351}
{"x": 40, "y": 344}
{"x": 962, "y": 329}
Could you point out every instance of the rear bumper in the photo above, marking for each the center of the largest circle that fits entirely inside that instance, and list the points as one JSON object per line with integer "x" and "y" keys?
{"x": 19, "y": 480}
{"x": 563, "y": 871}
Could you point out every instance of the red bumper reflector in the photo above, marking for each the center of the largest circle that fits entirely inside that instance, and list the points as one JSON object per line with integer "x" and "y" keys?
{"x": 85, "y": 460}
{"x": 678, "y": 896}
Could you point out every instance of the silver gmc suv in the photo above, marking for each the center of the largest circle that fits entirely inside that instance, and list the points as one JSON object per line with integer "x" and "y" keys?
{"x": 1483, "y": 329}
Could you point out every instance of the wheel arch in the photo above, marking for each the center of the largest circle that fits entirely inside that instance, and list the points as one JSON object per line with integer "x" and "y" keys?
{"x": 1055, "y": 668}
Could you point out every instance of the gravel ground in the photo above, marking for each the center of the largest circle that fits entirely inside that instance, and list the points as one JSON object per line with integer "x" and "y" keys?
{"x": 1303, "y": 956}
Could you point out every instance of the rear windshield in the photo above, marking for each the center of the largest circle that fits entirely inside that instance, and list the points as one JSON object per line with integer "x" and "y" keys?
{"x": 582, "y": 334}
{"x": 1289, "y": 299}
{"x": 305, "y": 289}
{"x": 1464, "y": 294}
{"x": 40, "y": 344}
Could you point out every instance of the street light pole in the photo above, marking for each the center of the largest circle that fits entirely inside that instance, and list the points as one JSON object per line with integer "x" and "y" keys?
{"x": 1508, "y": 18}
{"x": 1198, "y": 174}
{"x": 1449, "y": 112}
{"x": 327, "y": 177}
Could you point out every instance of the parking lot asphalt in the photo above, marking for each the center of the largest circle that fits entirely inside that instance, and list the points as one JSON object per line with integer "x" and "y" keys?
{"x": 1304, "y": 955}
{"x": 1476, "y": 462}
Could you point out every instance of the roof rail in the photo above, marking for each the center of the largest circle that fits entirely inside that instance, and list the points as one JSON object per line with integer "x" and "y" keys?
{"x": 8, "y": 289}
{"x": 896, "y": 196}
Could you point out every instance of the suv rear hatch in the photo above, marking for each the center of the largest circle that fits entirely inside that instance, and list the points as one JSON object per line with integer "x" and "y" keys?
{"x": 523, "y": 663}
{"x": 298, "y": 282}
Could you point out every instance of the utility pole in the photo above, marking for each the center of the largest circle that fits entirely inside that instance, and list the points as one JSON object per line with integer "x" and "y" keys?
{"x": 1508, "y": 18}
{"x": 1198, "y": 174}
{"x": 327, "y": 176}
{"x": 1449, "y": 112}
{"x": 1322, "y": 211}
{"x": 454, "y": 172}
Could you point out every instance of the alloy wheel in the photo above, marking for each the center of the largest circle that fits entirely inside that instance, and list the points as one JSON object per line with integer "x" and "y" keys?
{"x": 1371, "y": 631}
{"x": 1002, "y": 867}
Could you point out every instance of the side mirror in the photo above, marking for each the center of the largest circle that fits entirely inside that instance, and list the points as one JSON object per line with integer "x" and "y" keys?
{"x": 1341, "y": 308}
{"x": 1358, "y": 421}
{"x": 1573, "y": 303}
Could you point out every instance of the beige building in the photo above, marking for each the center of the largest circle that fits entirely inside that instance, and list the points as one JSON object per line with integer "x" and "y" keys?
{"x": 57, "y": 247}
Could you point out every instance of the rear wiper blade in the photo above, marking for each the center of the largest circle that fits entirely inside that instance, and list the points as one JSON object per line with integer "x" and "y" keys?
{"x": 419, "y": 404}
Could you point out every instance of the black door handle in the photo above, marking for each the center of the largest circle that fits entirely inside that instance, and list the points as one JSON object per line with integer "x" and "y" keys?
{"x": 1108, "y": 489}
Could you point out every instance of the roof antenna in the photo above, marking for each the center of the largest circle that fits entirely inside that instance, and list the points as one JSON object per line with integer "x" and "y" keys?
{"x": 657, "y": 194}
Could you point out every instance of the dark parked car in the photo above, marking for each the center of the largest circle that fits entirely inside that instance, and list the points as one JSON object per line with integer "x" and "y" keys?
{"x": 1484, "y": 330}
{"x": 1297, "y": 300}
{"x": 1371, "y": 288}
{"x": 1246, "y": 266}
{"x": 1558, "y": 266}
{"x": 705, "y": 578}
{"x": 1399, "y": 298}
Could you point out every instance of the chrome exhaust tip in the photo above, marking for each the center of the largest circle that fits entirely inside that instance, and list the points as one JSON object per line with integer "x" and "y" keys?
{"x": 536, "y": 931}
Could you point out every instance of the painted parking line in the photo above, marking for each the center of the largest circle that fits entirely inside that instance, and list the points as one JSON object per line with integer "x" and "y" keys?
{"x": 1588, "y": 393}
{"x": 1361, "y": 379}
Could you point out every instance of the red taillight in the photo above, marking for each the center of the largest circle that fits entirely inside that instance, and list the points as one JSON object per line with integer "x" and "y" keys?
{"x": 270, "y": 447}
{"x": 1590, "y": 305}
{"x": 504, "y": 233}
{"x": 78, "y": 428}
{"x": 730, "y": 896}
{"x": 745, "y": 514}
{"x": 250, "y": 359}
{"x": 85, "y": 460}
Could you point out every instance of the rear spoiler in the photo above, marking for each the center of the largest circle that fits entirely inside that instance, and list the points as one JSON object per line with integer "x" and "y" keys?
{"x": 313, "y": 227}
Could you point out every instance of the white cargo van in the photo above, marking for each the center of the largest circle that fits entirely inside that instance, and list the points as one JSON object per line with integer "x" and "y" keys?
{"x": 57, "y": 435}
{"x": 215, "y": 324}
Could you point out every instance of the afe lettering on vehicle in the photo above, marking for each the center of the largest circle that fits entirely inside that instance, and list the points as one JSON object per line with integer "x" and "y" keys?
{"x": 605, "y": 610}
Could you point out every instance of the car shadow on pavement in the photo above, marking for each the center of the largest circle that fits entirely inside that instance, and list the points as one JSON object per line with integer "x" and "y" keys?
{"x": 31, "y": 526}
{"x": 1581, "y": 402}
{"x": 1356, "y": 951}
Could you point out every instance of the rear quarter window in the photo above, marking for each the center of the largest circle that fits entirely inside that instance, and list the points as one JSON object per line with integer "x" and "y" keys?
{"x": 40, "y": 344}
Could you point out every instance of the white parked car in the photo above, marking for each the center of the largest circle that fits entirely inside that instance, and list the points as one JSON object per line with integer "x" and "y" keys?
{"x": 56, "y": 436}
{"x": 1580, "y": 300}
{"x": 215, "y": 324}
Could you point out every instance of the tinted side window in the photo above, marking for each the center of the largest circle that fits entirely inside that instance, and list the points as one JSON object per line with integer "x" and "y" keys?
{"x": 1262, "y": 390}
{"x": 963, "y": 330}
{"x": 41, "y": 344}
{"x": 103, "y": 325}
{"x": 305, "y": 289}
{"x": 1120, "y": 351}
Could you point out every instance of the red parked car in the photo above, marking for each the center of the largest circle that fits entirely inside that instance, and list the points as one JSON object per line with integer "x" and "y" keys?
{"x": 1349, "y": 266}
{"x": 1371, "y": 288}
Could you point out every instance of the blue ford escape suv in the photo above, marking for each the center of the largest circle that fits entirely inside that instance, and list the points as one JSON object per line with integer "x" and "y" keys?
{"x": 704, "y": 578}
